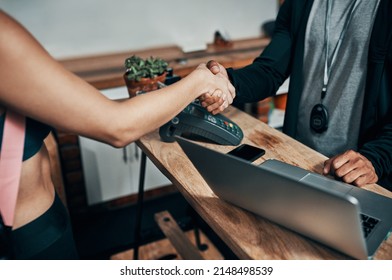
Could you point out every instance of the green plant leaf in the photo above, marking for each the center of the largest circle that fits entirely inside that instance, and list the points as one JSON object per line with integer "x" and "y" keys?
{"x": 137, "y": 68}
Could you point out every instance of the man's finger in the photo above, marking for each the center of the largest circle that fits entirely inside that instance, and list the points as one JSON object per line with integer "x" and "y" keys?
{"x": 327, "y": 167}
{"x": 213, "y": 108}
{"x": 213, "y": 66}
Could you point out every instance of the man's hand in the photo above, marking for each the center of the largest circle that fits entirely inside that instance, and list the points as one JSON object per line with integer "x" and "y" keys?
{"x": 216, "y": 102}
{"x": 352, "y": 168}
{"x": 216, "y": 68}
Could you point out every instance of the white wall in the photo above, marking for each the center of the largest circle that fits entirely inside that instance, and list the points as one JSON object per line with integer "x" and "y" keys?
{"x": 71, "y": 28}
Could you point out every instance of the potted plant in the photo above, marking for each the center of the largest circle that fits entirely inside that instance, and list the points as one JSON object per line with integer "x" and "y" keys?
{"x": 143, "y": 75}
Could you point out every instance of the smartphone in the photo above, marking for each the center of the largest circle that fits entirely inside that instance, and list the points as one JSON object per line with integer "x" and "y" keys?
{"x": 247, "y": 152}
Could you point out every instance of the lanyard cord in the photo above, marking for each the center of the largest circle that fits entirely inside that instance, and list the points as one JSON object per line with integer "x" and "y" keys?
{"x": 328, "y": 64}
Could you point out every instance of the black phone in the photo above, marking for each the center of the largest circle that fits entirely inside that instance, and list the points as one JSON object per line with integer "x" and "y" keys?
{"x": 247, "y": 152}
{"x": 196, "y": 122}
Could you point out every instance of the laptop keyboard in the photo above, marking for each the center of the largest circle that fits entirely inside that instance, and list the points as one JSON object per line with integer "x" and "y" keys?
{"x": 368, "y": 224}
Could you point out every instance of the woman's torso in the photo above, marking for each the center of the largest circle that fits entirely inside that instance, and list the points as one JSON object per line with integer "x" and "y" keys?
{"x": 36, "y": 190}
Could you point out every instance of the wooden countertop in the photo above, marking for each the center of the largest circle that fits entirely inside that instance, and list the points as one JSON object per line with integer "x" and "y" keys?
{"x": 248, "y": 235}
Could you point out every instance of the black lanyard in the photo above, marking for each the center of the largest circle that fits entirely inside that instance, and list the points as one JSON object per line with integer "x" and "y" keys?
{"x": 330, "y": 62}
{"x": 319, "y": 116}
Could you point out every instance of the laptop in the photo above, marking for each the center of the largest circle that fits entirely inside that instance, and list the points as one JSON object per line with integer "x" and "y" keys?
{"x": 346, "y": 218}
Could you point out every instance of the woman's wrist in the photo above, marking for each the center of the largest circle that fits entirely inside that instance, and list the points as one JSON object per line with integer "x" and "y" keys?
{"x": 198, "y": 81}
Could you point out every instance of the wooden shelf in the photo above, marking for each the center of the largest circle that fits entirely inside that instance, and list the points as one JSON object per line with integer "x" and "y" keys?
{"x": 106, "y": 70}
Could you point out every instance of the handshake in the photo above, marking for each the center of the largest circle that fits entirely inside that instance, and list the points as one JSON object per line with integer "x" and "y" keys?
{"x": 222, "y": 93}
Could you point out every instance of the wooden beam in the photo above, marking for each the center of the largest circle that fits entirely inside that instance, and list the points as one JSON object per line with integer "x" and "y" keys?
{"x": 177, "y": 237}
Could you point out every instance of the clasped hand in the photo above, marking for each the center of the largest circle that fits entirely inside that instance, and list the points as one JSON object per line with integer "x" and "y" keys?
{"x": 218, "y": 100}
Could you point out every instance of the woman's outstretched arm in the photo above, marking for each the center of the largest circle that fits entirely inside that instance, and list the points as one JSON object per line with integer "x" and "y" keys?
{"x": 36, "y": 85}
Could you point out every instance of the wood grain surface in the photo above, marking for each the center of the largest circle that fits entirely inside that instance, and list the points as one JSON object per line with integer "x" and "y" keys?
{"x": 248, "y": 235}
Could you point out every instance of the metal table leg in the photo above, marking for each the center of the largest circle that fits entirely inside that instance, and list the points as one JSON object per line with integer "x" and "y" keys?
{"x": 139, "y": 211}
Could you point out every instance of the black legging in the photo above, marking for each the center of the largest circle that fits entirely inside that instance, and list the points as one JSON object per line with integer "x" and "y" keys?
{"x": 49, "y": 237}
